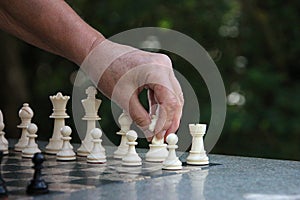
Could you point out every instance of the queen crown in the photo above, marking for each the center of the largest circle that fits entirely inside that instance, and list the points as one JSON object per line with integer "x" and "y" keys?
{"x": 59, "y": 103}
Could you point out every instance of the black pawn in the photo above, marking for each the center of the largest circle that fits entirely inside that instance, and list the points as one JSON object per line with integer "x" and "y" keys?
{"x": 3, "y": 190}
{"x": 37, "y": 184}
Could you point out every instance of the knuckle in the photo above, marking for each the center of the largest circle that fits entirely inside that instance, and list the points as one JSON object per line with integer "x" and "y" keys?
{"x": 173, "y": 103}
{"x": 181, "y": 101}
{"x": 164, "y": 59}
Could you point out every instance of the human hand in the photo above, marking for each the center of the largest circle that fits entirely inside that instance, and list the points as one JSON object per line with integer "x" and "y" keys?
{"x": 122, "y": 72}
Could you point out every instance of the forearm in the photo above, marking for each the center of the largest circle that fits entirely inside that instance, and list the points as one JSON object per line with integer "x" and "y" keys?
{"x": 50, "y": 25}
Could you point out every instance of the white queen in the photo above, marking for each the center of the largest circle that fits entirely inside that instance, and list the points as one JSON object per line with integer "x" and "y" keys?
{"x": 59, "y": 114}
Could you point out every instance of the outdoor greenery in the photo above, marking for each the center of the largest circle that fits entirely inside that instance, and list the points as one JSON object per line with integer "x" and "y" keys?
{"x": 255, "y": 44}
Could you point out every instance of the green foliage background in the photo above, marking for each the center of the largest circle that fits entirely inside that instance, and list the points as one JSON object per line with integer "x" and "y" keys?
{"x": 254, "y": 43}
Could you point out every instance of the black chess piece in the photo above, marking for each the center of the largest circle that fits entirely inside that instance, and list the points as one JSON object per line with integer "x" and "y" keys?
{"x": 37, "y": 184}
{"x": 3, "y": 189}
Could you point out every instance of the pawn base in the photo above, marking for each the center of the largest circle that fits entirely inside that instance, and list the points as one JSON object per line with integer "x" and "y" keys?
{"x": 3, "y": 190}
{"x": 172, "y": 164}
{"x": 132, "y": 160}
{"x": 37, "y": 187}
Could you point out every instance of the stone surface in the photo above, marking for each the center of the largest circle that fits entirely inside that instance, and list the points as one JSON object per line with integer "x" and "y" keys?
{"x": 236, "y": 178}
{"x": 233, "y": 178}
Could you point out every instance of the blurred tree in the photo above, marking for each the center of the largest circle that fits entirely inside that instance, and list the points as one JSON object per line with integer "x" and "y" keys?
{"x": 14, "y": 88}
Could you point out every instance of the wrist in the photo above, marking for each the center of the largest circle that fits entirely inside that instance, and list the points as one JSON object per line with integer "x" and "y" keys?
{"x": 102, "y": 54}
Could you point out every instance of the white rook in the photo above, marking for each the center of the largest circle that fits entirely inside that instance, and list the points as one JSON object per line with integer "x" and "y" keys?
{"x": 197, "y": 155}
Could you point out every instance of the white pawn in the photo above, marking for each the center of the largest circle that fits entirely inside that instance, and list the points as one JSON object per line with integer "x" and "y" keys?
{"x": 131, "y": 158}
{"x": 197, "y": 155}
{"x": 3, "y": 141}
{"x": 66, "y": 153}
{"x": 31, "y": 147}
{"x": 172, "y": 162}
{"x": 97, "y": 155}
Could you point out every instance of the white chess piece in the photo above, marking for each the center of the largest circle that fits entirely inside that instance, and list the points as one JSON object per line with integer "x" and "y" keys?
{"x": 197, "y": 155}
{"x": 158, "y": 150}
{"x": 3, "y": 140}
{"x": 66, "y": 153}
{"x": 97, "y": 155}
{"x": 31, "y": 147}
{"x": 125, "y": 122}
{"x": 131, "y": 158}
{"x": 59, "y": 103}
{"x": 91, "y": 106}
{"x": 172, "y": 162}
{"x": 26, "y": 115}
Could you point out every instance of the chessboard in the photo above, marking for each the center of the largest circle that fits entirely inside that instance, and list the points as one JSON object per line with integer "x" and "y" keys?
{"x": 68, "y": 177}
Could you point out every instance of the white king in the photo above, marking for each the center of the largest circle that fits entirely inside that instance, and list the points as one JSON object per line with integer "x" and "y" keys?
{"x": 197, "y": 154}
{"x": 91, "y": 106}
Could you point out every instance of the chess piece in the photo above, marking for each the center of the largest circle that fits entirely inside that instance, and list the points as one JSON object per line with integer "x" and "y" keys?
{"x": 3, "y": 189}
{"x": 97, "y": 155}
{"x": 37, "y": 184}
{"x": 32, "y": 147}
{"x": 131, "y": 158}
{"x": 91, "y": 106}
{"x": 172, "y": 162}
{"x": 26, "y": 115}
{"x": 3, "y": 141}
{"x": 158, "y": 150}
{"x": 197, "y": 154}
{"x": 125, "y": 122}
{"x": 59, "y": 103}
{"x": 66, "y": 153}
